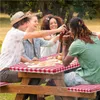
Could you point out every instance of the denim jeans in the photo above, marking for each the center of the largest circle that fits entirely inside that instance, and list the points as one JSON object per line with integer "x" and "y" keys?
{"x": 72, "y": 79}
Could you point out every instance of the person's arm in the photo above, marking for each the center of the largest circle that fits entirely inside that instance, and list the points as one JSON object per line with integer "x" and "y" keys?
{"x": 35, "y": 59}
{"x": 48, "y": 43}
{"x": 67, "y": 40}
{"x": 66, "y": 58}
{"x": 42, "y": 33}
{"x": 24, "y": 59}
{"x": 55, "y": 38}
{"x": 47, "y": 37}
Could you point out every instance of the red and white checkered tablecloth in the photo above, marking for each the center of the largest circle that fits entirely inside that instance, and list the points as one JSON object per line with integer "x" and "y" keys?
{"x": 3, "y": 84}
{"x": 85, "y": 88}
{"x": 21, "y": 67}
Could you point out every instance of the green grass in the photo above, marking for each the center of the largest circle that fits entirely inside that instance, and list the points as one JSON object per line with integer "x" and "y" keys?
{"x": 4, "y": 25}
{"x": 7, "y": 96}
{"x": 4, "y": 20}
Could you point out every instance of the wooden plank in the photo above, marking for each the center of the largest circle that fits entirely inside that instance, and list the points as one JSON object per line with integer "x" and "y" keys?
{"x": 40, "y": 75}
{"x": 44, "y": 90}
{"x": 24, "y": 81}
{"x": 62, "y": 84}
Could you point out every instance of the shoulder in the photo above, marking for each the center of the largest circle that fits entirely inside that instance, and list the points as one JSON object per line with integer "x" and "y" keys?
{"x": 39, "y": 40}
{"x": 16, "y": 32}
{"x": 77, "y": 45}
{"x": 98, "y": 34}
{"x": 78, "y": 42}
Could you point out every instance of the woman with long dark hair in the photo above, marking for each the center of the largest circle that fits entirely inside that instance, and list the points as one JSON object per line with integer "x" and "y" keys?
{"x": 86, "y": 47}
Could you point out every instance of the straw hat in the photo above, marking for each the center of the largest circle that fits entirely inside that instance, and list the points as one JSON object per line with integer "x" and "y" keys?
{"x": 17, "y": 17}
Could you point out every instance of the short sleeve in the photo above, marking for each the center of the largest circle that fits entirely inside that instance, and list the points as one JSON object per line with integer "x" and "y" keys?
{"x": 18, "y": 35}
{"x": 46, "y": 43}
{"x": 76, "y": 48}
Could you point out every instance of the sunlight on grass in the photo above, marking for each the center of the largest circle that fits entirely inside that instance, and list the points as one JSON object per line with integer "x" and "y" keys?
{"x": 4, "y": 20}
{"x": 7, "y": 96}
{"x": 50, "y": 97}
{"x": 93, "y": 25}
{"x": 3, "y": 32}
{"x": 2, "y": 15}
{"x": 4, "y": 25}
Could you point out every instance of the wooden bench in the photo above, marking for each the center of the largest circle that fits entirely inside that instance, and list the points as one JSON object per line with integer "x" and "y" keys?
{"x": 3, "y": 84}
{"x": 85, "y": 91}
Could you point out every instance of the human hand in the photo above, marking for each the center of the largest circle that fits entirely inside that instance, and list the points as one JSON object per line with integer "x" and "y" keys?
{"x": 66, "y": 31}
{"x": 62, "y": 28}
{"x": 35, "y": 59}
{"x": 67, "y": 39}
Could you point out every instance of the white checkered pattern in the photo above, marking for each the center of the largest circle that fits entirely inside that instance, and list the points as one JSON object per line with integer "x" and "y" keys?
{"x": 85, "y": 88}
{"x": 3, "y": 83}
{"x": 21, "y": 67}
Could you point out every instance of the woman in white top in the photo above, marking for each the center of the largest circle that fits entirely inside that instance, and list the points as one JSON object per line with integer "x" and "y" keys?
{"x": 50, "y": 22}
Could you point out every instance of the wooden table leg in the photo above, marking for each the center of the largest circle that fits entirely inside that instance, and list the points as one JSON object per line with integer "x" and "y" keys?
{"x": 62, "y": 83}
{"x": 25, "y": 81}
{"x": 41, "y": 97}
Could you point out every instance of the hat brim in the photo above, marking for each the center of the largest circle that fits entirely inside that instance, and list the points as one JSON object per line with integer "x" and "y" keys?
{"x": 19, "y": 19}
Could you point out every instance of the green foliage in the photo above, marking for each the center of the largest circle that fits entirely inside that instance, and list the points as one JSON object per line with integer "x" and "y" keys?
{"x": 63, "y": 8}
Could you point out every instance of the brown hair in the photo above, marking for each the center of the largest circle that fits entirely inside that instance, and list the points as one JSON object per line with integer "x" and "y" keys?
{"x": 80, "y": 30}
{"x": 46, "y": 20}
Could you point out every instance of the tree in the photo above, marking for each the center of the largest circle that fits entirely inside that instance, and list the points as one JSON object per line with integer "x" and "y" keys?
{"x": 62, "y": 8}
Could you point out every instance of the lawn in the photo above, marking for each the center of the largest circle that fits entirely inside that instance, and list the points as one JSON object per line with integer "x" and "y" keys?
{"x": 93, "y": 25}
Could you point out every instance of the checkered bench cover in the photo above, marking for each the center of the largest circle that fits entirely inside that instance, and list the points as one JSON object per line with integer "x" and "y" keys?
{"x": 21, "y": 67}
{"x": 85, "y": 88}
{"x": 3, "y": 84}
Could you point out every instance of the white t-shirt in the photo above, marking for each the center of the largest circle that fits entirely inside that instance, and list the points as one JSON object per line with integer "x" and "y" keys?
{"x": 47, "y": 51}
{"x": 12, "y": 48}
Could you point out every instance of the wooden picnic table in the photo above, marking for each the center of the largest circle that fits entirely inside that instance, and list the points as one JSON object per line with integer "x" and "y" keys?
{"x": 28, "y": 71}
{"x": 55, "y": 72}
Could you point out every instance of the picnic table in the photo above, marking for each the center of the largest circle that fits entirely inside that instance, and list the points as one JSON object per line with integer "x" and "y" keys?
{"x": 53, "y": 71}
